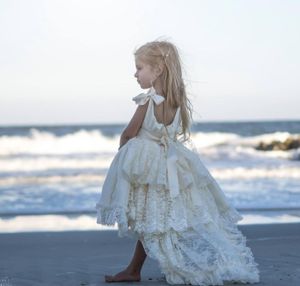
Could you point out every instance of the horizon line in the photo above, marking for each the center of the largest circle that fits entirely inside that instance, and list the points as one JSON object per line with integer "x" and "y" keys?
{"x": 124, "y": 123}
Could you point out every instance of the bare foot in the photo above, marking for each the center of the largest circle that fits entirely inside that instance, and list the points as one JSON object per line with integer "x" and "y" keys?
{"x": 123, "y": 276}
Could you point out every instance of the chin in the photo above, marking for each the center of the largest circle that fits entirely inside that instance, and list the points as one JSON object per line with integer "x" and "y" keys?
{"x": 143, "y": 87}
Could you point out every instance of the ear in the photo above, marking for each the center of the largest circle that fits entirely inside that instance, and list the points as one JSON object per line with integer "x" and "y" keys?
{"x": 158, "y": 70}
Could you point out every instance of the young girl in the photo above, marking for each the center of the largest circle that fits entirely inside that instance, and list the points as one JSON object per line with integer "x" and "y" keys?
{"x": 160, "y": 193}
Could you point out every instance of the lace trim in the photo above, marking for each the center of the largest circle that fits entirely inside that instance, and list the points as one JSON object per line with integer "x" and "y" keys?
{"x": 170, "y": 212}
{"x": 201, "y": 256}
{"x": 196, "y": 249}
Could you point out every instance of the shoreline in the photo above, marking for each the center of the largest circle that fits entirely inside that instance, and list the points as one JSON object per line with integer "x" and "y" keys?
{"x": 83, "y": 257}
{"x": 87, "y": 221}
{"x": 242, "y": 210}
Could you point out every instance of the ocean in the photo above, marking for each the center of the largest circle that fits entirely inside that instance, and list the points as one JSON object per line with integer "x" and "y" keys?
{"x": 49, "y": 172}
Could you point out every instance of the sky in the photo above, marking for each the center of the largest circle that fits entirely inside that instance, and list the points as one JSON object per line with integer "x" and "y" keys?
{"x": 72, "y": 62}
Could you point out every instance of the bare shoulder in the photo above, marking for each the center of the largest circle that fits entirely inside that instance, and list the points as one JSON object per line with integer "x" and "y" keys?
{"x": 136, "y": 121}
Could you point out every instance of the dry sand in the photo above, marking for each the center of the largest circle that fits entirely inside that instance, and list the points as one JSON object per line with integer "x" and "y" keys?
{"x": 83, "y": 257}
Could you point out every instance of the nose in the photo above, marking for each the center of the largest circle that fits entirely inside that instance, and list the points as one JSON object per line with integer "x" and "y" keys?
{"x": 135, "y": 74}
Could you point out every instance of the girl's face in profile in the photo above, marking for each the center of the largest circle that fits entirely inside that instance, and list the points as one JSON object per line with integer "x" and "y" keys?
{"x": 144, "y": 74}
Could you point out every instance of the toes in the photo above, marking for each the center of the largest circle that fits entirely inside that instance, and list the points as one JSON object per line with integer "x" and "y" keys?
{"x": 108, "y": 278}
{"x": 129, "y": 278}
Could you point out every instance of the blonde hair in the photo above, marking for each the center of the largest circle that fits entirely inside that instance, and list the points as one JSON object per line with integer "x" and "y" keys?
{"x": 166, "y": 55}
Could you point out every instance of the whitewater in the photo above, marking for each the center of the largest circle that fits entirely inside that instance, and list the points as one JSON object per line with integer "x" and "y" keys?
{"x": 59, "y": 170}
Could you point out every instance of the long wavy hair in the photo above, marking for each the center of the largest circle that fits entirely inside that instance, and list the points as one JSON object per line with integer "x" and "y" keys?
{"x": 166, "y": 55}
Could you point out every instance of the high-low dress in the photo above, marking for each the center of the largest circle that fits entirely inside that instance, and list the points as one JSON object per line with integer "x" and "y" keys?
{"x": 158, "y": 191}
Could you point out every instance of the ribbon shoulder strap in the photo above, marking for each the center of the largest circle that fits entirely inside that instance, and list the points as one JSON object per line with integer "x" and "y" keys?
{"x": 142, "y": 98}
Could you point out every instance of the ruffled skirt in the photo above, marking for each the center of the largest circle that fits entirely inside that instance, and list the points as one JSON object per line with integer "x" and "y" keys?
{"x": 194, "y": 236}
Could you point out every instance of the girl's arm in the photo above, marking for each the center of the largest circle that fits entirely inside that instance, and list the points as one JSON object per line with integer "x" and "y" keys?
{"x": 134, "y": 125}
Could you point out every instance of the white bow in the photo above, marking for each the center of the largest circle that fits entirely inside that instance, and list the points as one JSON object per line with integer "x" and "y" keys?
{"x": 142, "y": 98}
{"x": 171, "y": 165}
{"x": 170, "y": 148}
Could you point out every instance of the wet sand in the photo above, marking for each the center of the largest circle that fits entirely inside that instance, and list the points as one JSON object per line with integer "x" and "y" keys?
{"x": 83, "y": 257}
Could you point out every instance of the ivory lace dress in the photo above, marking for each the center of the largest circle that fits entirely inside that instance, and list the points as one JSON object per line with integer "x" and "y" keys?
{"x": 159, "y": 191}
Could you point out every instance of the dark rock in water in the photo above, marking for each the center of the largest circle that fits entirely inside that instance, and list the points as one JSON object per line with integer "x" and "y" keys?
{"x": 288, "y": 144}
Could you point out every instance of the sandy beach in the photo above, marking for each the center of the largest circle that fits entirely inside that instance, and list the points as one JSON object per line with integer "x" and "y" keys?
{"x": 83, "y": 257}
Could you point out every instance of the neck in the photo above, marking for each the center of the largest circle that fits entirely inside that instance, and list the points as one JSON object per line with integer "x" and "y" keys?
{"x": 158, "y": 88}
